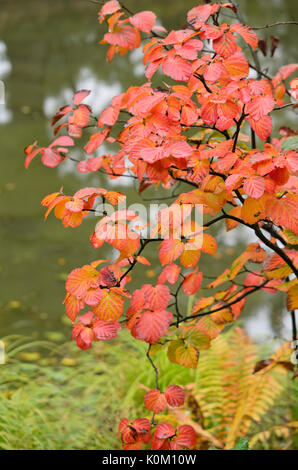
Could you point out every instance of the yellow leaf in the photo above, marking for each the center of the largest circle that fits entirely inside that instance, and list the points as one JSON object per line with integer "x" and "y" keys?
{"x": 252, "y": 210}
{"x": 292, "y": 300}
{"x": 230, "y": 223}
{"x": 180, "y": 353}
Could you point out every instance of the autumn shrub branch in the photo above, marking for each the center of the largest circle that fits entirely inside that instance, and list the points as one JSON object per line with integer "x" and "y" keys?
{"x": 206, "y": 138}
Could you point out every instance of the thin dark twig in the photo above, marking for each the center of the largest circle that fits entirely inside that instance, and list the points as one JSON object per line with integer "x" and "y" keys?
{"x": 181, "y": 179}
{"x": 226, "y": 305}
{"x": 175, "y": 295}
{"x": 283, "y": 106}
{"x": 238, "y": 123}
{"x": 204, "y": 126}
{"x": 275, "y": 248}
{"x": 265, "y": 240}
{"x": 294, "y": 330}
{"x": 143, "y": 244}
{"x": 253, "y": 138}
{"x": 273, "y": 232}
{"x": 274, "y": 24}
{"x": 202, "y": 79}
{"x": 260, "y": 72}
{"x": 153, "y": 365}
{"x": 213, "y": 221}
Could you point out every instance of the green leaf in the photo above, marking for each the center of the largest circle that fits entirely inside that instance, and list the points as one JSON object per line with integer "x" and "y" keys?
{"x": 290, "y": 143}
{"x": 198, "y": 136}
{"x": 182, "y": 354}
{"x": 215, "y": 137}
{"x": 196, "y": 338}
{"x": 241, "y": 444}
{"x": 155, "y": 348}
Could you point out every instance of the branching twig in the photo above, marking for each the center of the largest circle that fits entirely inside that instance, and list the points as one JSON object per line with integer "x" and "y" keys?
{"x": 202, "y": 79}
{"x": 274, "y": 24}
{"x": 275, "y": 248}
{"x": 226, "y": 305}
{"x": 283, "y": 106}
{"x": 238, "y": 123}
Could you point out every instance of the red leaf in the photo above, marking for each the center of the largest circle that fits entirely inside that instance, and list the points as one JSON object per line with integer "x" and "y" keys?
{"x": 72, "y": 306}
{"x": 106, "y": 330}
{"x": 280, "y": 176}
{"x": 175, "y": 395}
{"x": 225, "y": 45}
{"x": 134, "y": 431}
{"x": 84, "y": 339}
{"x": 87, "y": 318}
{"x": 151, "y": 326}
{"x": 170, "y": 250}
{"x": 79, "y": 96}
{"x": 213, "y": 71}
{"x": 260, "y": 106}
{"x": 109, "y": 116}
{"x": 126, "y": 37}
{"x": 95, "y": 141}
{"x": 170, "y": 273}
{"x": 155, "y": 401}
{"x": 51, "y": 157}
{"x": 109, "y": 8}
{"x": 92, "y": 164}
{"x": 262, "y": 127}
{"x": 164, "y": 431}
{"x": 93, "y": 297}
{"x": 192, "y": 283}
{"x": 247, "y": 34}
{"x": 156, "y": 298}
{"x": 107, "y": 277}
{"x": 176, "y": 67}
{"x": 237, "y": 66}
{"x": 75, "y": 205}
{"x": 283, "y": 73}
{"x": 254, "y": 186}
{"x": 81, "y": 279}
{"x": 141, "y": 425}
{"x": 144, "y": 21}
{"x": 80, "y": 117}
{"x": 62, "y": 141}
{"x": 199, "y": 14}
{"x": 186, "y": 436}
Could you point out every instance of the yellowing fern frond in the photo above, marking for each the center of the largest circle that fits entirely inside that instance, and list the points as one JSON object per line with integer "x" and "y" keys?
{"x": 231, "y": 397}
{"x": 281, "y": 431}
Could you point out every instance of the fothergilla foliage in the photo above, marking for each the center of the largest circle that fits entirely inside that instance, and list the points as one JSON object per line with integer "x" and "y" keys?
{"x": 207, "y": 129}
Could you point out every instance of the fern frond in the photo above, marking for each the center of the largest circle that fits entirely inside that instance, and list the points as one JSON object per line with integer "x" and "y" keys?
{"x": 231, "y": 397}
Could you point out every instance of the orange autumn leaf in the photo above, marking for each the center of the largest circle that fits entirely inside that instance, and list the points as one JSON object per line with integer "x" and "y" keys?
{"x": 81, "y": 279}
{"x": 170, "y": 250}
{"x": 192, "y": 283}
{"x": 252, "y": 210}
{"x": 110, "y": 307}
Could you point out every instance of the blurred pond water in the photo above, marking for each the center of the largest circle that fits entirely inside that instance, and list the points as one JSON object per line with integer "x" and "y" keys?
{"x": 49, "y": 49}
